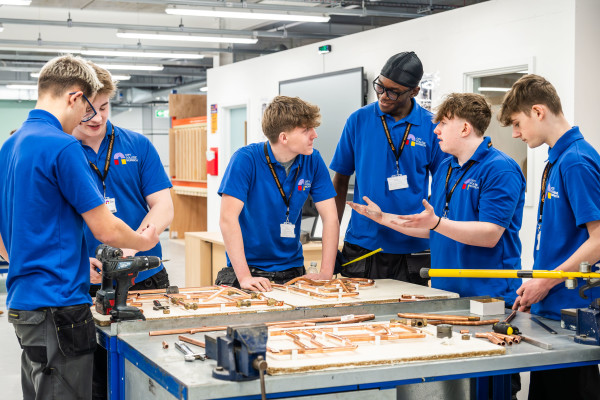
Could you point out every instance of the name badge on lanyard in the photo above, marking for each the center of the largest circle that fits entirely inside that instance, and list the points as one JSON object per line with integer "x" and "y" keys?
{"x": 397, "y": 181}
{"x": 287, "y": 228}
{"x": 111, "y": 204}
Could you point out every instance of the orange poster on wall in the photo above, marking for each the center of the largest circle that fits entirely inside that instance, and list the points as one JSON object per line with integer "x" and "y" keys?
{"x": 213, "y": 118}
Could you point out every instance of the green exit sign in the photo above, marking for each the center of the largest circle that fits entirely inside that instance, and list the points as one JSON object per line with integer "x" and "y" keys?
{"x": 325, "y": 49}
{"x": 161, "y": 113}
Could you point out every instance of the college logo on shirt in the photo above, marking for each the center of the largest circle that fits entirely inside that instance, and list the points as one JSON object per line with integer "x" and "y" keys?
{"x": 303, "y": 185}
{"x": 552, "y": 192}
{"x": 123, "y": 159}
{"x": 470, "y": 184}
{"x": 412, "y": 141}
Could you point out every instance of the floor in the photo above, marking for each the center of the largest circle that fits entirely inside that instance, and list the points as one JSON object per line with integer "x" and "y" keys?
{"x": 174, "y": 251}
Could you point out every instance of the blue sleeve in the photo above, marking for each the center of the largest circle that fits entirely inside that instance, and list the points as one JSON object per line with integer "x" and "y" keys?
{"x": 321, "y": 187}
{"x": 582, "y": 184}
{"x": 238, "y": 176}
{"x": 75, "y": 180}
{"x": 499, "y": 197}
{"x": 152, "y": 172}
{"x": 343, "y": 158}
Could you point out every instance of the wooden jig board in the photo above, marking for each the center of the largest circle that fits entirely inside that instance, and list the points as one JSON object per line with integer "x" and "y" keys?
{"x": 384, "y": 291}
{"x": 385, "y": 353}
{"x": 177, "y": 311}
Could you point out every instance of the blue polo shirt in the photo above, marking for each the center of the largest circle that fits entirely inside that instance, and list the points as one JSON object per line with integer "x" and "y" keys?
{"x": 363, "y": 148}
{"x": 492, "y": 190}
{"x": 571, "y": 200}
{"x": 249, "y": 179}
{"x": 135, "y": 173}
{"x": 45, "y": 186}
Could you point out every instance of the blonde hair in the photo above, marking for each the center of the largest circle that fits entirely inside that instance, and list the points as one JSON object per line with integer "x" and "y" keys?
{"x": 109, "y": 86}
{"x": 287, "y": 113}
{"x": 528, "y": 91}
{"x": 61, "y": 73}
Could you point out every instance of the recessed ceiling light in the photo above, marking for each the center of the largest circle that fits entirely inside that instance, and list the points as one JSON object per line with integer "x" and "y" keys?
{"x": 15, "y": 2}
{"x": 20, "y": 87}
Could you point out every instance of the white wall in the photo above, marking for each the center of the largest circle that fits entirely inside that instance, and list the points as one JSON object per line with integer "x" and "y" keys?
{"x": 495, "y": 34}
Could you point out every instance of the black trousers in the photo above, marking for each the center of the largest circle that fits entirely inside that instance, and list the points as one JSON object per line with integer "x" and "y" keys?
{"x": 401, "y": 267}
{"x": 226, "y": 276}
{"x": 578, "y": 383}
{"x": 160, "y": 280}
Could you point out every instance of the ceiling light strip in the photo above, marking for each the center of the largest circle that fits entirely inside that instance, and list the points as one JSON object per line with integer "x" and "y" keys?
{"x": 186, "y": 38}
{"x": 247, "y": 15}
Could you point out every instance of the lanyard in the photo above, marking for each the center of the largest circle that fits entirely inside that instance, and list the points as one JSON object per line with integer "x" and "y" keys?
{"x": 107, "y": 162}
{"x": 449, "y": 195}
{"x": 286, "y": 199}
{"x": 402, "y": 143}
{"x": 545, "y": 177}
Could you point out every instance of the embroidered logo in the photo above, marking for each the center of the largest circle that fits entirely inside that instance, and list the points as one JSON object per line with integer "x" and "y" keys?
{"x": 413, "y": 141}
{"x": 303, "y": 185}
{"x": 123, "y": 159}
{"x": 470, "y": 184}
{"x": 552, "y": 192}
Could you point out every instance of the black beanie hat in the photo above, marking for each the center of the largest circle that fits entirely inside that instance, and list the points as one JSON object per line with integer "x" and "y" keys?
{"x": 404, "y": 68}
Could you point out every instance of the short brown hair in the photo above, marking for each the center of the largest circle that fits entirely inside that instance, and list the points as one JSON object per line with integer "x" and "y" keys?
{"x": 528, "y": 91}
{"x": 471, "y": 107}
{"x": 61, "y": 73}
{"x": 109, "y": 86}
{"x": 287, "y": 113}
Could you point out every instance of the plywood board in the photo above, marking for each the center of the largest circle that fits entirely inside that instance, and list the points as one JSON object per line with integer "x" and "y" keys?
{"x": 384, "y": 291}
{"x": 377, "y": 352}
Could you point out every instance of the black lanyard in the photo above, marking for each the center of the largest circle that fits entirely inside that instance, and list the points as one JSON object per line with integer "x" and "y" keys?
{"x": 107, "y": 162}
{"x": 286, "y": 199}
{"x": 448, "y": 174}
{"x": 389, "y": 138}
{"x": 545, "y": 177}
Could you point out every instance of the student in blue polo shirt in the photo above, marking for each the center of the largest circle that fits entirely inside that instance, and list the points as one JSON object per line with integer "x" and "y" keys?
{"x": 47, "y": 191}
{"x": 477, "y": 199}
{"x": 391, "y": 148}
{"x": 132, "y": 179}
{"x": 568, "y": 220}
{"x": 263, "y": 191}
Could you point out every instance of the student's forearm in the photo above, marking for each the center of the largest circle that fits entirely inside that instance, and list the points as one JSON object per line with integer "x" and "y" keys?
{"x": 161, "y": 215}
{"x": 331, "y": 235}
{"x": 473, "y": 233}
{"x": 340, "y": 184}
{"x": 3, "y": 251}
{"x": 414, "y": 232}
{"x": 234, "y": 245}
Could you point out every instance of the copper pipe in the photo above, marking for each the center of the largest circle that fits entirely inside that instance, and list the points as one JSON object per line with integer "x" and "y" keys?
{"x": 192, "y": 341}
{"x": 491, "y": 338}
{"x": 464, "y": 323}
{"x": 439, "y": 317}
{"x": 300, "y": 322}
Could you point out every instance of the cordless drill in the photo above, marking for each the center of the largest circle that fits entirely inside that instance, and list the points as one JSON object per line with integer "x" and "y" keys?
{"x": 105, "y": 297}
{"x": 123, "y": 270}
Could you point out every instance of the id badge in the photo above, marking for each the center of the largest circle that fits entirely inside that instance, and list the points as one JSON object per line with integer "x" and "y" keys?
{"x": 539, "y": 236}
{"x": 111, "y": 204}
{"x": 287, "y": 230}
{"x": 396, "y": 182}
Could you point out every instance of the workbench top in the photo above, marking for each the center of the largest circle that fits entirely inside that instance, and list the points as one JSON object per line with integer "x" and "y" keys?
{"x": 195, "y": 378}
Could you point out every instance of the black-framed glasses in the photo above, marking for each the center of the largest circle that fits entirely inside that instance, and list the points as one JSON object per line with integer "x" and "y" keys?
{"x": 88, "y": 114}
{"x": 391, "y": 94}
